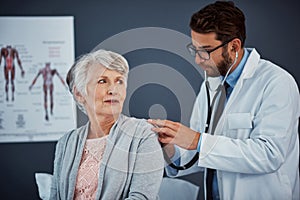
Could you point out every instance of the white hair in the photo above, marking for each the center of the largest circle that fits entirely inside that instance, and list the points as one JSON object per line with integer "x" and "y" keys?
{"x": 77, "y": 75}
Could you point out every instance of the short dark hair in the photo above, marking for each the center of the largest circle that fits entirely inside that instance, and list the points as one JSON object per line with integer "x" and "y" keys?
{"x": 222, "y": 18}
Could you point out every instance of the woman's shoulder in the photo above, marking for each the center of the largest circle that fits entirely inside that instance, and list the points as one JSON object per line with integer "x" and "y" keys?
{"x": 135, "y": 122}
{"x": 72, "y": 134}
{"x": 136, "y": 126}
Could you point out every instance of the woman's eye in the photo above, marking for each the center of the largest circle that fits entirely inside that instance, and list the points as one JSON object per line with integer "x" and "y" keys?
{"x": 101, "y": 81}
{"x": 120, "y": 81}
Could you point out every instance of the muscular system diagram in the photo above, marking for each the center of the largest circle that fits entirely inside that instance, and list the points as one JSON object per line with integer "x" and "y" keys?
{"x": 9, "y": 54}
{"x": 48, "y": 86}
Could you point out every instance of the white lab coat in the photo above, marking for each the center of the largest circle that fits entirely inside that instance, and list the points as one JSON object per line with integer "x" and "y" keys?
{"x": 255, "y": 149}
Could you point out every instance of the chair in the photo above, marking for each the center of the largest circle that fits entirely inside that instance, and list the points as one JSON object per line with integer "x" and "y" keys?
{"x": 43, "y": 181}
{"x": 171, "y": 188}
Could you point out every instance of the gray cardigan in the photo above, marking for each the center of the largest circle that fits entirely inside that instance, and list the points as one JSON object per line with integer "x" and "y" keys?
{"x": 131, "y": 168}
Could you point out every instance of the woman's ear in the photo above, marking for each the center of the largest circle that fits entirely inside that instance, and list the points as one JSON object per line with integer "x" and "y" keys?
{"x": 78, "y": 96}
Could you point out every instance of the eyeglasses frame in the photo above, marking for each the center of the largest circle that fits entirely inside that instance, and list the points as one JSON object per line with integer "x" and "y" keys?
{"x": 208, "y": 51}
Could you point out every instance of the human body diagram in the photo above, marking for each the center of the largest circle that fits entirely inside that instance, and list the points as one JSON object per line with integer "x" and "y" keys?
{"x": 48, "y": 87}
{"x": 10, "y": 54}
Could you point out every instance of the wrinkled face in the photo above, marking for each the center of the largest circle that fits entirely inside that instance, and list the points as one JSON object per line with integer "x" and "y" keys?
{"x": 106, "y": 92}
{"x": 219, "y": 61}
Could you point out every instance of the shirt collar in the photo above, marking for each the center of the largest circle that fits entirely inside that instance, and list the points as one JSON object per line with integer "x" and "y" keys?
{"x": 234, "y": 76}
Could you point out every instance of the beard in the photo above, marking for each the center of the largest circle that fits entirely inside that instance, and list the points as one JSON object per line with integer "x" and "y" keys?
{"x": 220, "y": 68}
{"x": 225, "y": 64}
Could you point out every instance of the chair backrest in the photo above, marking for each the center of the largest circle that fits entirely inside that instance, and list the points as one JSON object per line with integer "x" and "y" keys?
{"x": 43, "y": 181}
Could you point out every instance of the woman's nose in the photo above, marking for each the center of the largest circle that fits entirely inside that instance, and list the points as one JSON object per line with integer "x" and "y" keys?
{"x": 112, "y": 90}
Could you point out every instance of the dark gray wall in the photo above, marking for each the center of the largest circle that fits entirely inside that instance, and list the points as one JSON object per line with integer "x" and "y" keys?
{"x": 272, "y": 27}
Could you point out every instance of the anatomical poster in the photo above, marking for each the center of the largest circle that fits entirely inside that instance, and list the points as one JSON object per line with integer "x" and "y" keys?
{"x": 36, "y": 54}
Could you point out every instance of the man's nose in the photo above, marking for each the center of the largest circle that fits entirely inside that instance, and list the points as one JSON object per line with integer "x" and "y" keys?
{"x": 198, "y": 59}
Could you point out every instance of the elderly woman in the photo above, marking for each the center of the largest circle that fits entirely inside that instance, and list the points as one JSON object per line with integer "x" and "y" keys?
{"x": 113, "y": 156}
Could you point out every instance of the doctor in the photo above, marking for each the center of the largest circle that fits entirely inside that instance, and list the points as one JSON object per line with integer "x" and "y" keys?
{"x": 252, "y": 150}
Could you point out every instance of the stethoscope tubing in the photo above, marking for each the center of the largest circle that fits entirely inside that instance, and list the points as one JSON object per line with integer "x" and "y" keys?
{"x": 196, "y": 156}
{"x": 208, "y": 120}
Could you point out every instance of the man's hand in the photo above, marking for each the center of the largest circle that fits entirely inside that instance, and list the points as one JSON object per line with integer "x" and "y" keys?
{"x": 169, "y": 149}
{"x": 170, "y": 132}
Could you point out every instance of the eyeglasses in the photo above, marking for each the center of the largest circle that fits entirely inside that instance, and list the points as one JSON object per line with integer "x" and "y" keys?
{"x": 202, "y": 53}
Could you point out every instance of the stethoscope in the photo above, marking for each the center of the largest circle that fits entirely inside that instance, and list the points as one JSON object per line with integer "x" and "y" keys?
{"x": 208, "y": 118}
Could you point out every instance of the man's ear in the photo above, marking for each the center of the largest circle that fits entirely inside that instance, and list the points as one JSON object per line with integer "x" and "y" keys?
{"x": 78, "y": 96}
{"x": 236, "y": 45}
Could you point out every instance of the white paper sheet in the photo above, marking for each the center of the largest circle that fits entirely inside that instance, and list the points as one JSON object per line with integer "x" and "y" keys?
{"x": 37, "y": 41}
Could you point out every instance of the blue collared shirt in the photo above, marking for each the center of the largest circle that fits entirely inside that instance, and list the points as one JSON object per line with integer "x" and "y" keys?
{"x": 235, "y": 75}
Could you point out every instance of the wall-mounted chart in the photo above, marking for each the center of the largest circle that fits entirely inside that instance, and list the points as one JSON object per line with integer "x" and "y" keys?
{"x": 36, "y": 53}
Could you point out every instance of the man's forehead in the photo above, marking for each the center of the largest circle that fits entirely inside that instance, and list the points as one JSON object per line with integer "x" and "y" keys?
{"x": 204, "y": 40}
